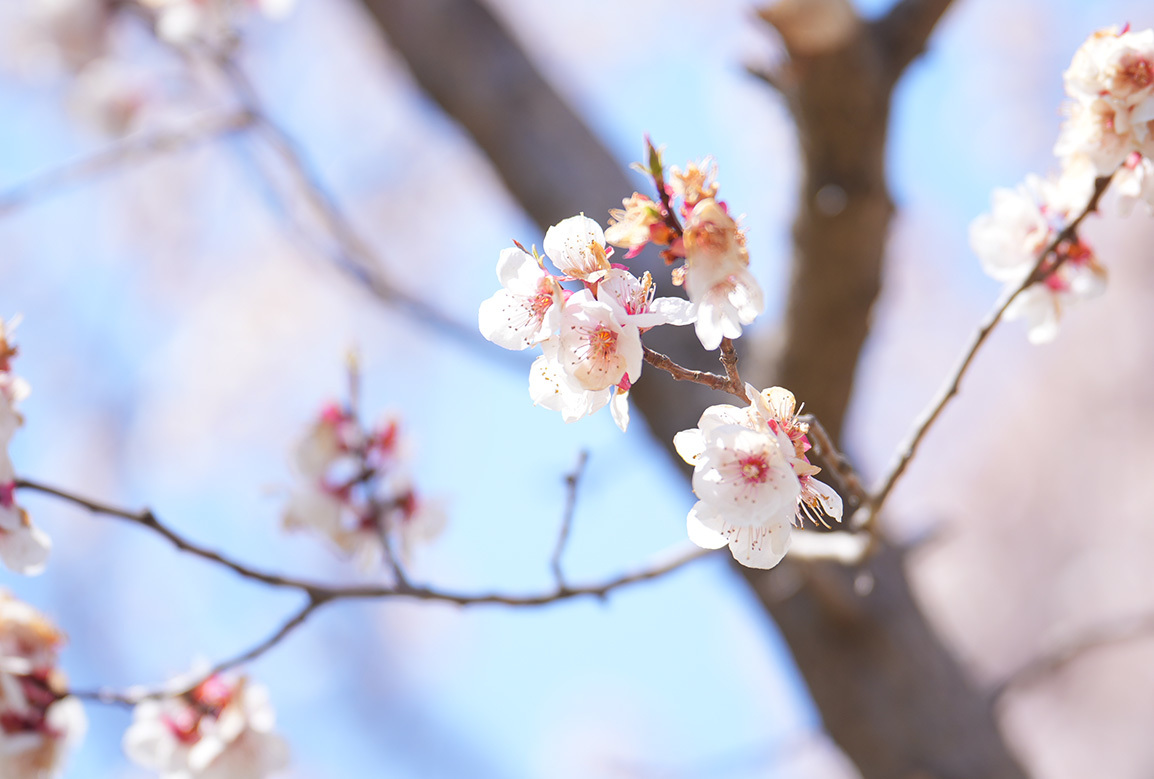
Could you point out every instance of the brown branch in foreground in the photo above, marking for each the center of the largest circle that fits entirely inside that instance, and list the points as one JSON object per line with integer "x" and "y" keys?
{"x": 572, "y": 480}
{"x": 1063, "y": 654}
{"x": 320, "y": 594}
{"x": 660, "y": 565}
{"x": 132, "y": 149}
{"x": 907, "y": 450}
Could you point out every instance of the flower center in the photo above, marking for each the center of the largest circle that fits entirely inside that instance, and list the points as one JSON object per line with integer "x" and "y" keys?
{"x": 604, "y": 342}
{"x": 754, "y": 469}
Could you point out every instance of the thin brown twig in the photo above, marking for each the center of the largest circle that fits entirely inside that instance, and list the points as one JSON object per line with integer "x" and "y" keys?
{"x": 868, "y": 513}
{"x": 131, "y": 149}
{"x": 835, "y": 460}
{"x": 661, "y": 564}
{"x": 572, "y": 481}
{"x": 712, "y": 380}
{"x": 134, "y": 697}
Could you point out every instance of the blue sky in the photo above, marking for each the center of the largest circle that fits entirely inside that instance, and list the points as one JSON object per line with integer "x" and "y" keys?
{"x": 178, "y": 339}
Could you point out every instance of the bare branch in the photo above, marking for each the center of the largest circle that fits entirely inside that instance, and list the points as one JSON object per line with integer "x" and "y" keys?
{"x": 901, "y": 35}
{"x": 1065, "y": 653}
{"x": 572, "y": 480}
{"x": 660, "y": 565}
{"x": 115, "y": 697}
{"x": 134, "y": 148}
{"x": 906, "y": 451}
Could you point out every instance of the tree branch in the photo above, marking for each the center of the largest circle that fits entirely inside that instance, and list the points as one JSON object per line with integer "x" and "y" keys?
{"x": 903, "y": 32}
{"x": 134, "y": 148}
{"x": 907, "y": 450}
{"x": 661, "y": 564}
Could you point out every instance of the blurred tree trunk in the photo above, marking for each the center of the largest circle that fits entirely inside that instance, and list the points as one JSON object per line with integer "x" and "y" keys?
{"x": 891, "y": 695}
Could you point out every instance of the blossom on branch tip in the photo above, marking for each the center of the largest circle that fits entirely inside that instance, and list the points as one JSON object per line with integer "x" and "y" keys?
{"x": 356, "y": 492}
{"x": 39, "y": 722}
{"x": 752, "y": 478}
{"x": 1010, "y": 240}
{"x": 220, "y": 729}
{"x": 1111, "y": 80}
{"x": 717, "y": 276}
{"x": 633, "y": 227}
{"x": 528, "y": 308}
{"x": 698, "y": 182}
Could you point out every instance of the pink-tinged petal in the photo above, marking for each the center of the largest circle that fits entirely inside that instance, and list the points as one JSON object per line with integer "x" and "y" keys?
{"x": 762, "y": 546}
{"x": 707, "y": 536}
{"x": 630, "y": 350}
{"x": 830, "y": 501}
{"x": 25, "y": 551}
{"x": 619, "y": 408}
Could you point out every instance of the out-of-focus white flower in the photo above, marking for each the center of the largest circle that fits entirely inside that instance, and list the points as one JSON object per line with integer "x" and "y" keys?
{"x": 577, "y": 247}
{"x": 107, "y": 96}
{"x": 356, "y": 490}
{"x": 39, "y": 724}
{"x": 1134, "y": 183}
{"x": 717, "y": 276}
{"x": 633, "y": 227}
{"x": 1010, "y": 240}
{"x": 221, "y": 729}
{"x": 184, "y": 22}
{"x": 1111, "y": 79}
{"x": 696, "y": 183}
{"x": 528, "y": 310}
{"x": 23, "y": 546}
{"x": 70, "y": 33}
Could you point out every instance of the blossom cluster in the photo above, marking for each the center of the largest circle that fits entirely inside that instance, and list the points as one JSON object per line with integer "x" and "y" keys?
{"x": 221, "y": 728}
{"x": 1109, "y": 132}
{"x": 716, "y": 272}
{"x": 357, "y": 491}
{"x": 590, "y": 337}
{"x": 23, "y": 546}
{"x": 106, "y": 92}
{"x": 39, "y": 721}
{"x": 753, "y": 478}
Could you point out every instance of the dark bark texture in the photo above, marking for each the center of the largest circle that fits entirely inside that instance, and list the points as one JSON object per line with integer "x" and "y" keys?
{"x": 891, "y": 695}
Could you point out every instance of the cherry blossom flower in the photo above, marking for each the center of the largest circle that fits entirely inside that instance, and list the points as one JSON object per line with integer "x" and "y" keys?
{"x": 108, "y": 96}
{"x": 636, "y": 225}
{"x": 39, "y": 723}
{"x": 1010, "y": 240}
{"x": 23, "y": 546}
{"x": 220, "y": 729}
{"x": 1134, "y": 183}
{"x": 577, "y": 247}
{"x": 528, "y": 309}
{"x": 752, "y": 478}
{"x": 1111, "y": 79}
{"x": 595, "y": 348}
{"x": 696, "y": 183}
{"x": 634, "y": 301}
{"x": 552, "y": 387}
{"x": 356, "y": 492}
{"x": 184, "y": 22}
{"x": 717, "y": 276}
{"x": 778, "y": 407}
{"x": 746, "y": 488}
